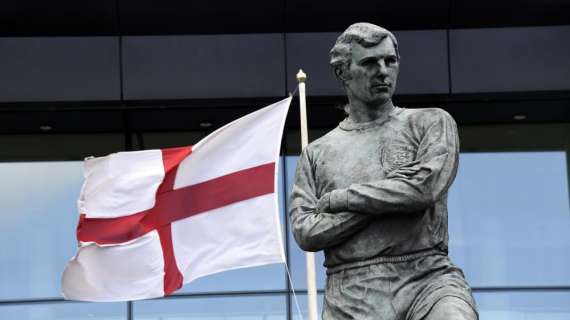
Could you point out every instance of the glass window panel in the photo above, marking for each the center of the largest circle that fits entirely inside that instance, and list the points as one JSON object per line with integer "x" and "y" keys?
{"x": 303, "y": 305}
{"x": 65, "y": 311}
{"x": 268, "y": 277}
{"x": 527, "y": 305}
{"x": 38, "y": 217}
{"x": 298, "y": 268}
{"x": 509, "y": 220}
{"x": 513, "y": 305}
{"x": 296, "y": 255}
{"x": 262, "y": 307}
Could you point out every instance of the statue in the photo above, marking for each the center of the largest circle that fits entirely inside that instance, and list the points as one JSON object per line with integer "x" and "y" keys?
{"x": 372, "y": 193}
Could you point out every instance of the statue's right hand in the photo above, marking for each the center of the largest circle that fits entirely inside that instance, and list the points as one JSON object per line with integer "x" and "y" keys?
{"x": 323, "y": 204}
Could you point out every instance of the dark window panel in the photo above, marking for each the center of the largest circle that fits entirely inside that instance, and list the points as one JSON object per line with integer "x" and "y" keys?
{"x": 205, "y": 120}
{"x": 61, "y": 121}
{"x": 310, "y": 52}
{"x": 44, "y": 147}
{"x": 423, "y": 68}
{"x": 58, "y": 18}
{"x": 423, "y": 65}
{"x": 510, "y": 59}
{"x": 514, "y": 137}
{"x": 158, "y": 140}
{"x": 335, "y": 16}
{"x": 193, "y": 67}
{"x": 147, "y": 17}
{"x": 506, "y": 13}
{"x": 59, "y": 69}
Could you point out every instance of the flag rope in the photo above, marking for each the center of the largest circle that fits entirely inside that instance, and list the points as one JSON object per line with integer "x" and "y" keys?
{"x": 293, "y": 291}
{"x": 291, "y": 94}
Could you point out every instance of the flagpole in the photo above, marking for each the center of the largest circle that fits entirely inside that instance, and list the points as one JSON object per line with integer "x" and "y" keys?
{"x": 309, "y": 256}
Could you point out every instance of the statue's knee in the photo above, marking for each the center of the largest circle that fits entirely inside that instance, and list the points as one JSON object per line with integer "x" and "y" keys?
{"x": 451, "y": 308}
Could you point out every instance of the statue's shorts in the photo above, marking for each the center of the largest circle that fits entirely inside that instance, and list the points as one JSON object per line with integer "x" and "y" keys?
{"x": 395, "y": 290}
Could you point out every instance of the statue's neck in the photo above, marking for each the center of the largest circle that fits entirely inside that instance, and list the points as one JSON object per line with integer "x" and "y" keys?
{"x": 360, "y": 112}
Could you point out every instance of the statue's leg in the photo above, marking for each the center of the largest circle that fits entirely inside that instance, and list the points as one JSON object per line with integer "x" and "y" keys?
{"x": 442, "y": 292}
{"x": 451, "y": 308}
{"x": 362, "y": 293}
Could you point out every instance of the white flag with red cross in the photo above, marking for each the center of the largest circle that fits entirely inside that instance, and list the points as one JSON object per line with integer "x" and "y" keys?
{"x": 153, "y": 220}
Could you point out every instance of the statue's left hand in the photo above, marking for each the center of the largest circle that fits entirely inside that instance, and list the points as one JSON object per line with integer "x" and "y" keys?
{"x": 404, "y": 172}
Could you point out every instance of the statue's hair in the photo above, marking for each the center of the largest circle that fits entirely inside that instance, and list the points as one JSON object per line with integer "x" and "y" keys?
{"x": 363, "y": 33}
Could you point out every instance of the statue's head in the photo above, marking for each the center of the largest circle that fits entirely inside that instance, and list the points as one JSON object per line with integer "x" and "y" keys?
{"x": 365, "y": 59}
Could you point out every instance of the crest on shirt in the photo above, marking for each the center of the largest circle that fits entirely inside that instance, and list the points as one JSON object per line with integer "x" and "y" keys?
{"x": 393, "y": 156}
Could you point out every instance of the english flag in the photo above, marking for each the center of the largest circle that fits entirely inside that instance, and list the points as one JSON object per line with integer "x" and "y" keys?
{"x": 153, "y": 220}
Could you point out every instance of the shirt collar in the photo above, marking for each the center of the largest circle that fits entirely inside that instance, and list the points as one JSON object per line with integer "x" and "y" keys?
{"x": 349, "y": 125}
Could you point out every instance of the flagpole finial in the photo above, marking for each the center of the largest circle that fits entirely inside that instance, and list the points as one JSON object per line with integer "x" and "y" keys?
{"x": 301, "y": 76}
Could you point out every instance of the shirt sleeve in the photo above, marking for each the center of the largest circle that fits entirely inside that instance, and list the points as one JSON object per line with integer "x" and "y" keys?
{"x": 437, "y": 159}
{"x": 315, "y": 230}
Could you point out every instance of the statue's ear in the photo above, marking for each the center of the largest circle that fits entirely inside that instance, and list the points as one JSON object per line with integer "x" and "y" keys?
{"x": 340, "y": 73}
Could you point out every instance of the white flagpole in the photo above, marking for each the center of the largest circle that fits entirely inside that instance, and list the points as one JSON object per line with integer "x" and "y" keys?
{"x": 310, "y": 256}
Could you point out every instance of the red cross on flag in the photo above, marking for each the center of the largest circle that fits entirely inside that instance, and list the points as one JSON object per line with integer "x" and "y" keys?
{"x": 153, "y": 220}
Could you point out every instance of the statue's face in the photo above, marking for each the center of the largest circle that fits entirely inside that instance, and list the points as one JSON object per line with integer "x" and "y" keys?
{"x": 373, "y": 72}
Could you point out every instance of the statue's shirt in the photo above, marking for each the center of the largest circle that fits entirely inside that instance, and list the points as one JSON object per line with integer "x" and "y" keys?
{"x": 372, "y": 214}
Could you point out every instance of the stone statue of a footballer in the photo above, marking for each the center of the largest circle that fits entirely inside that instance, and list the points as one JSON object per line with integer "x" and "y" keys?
{"x": 372, "y": 193}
